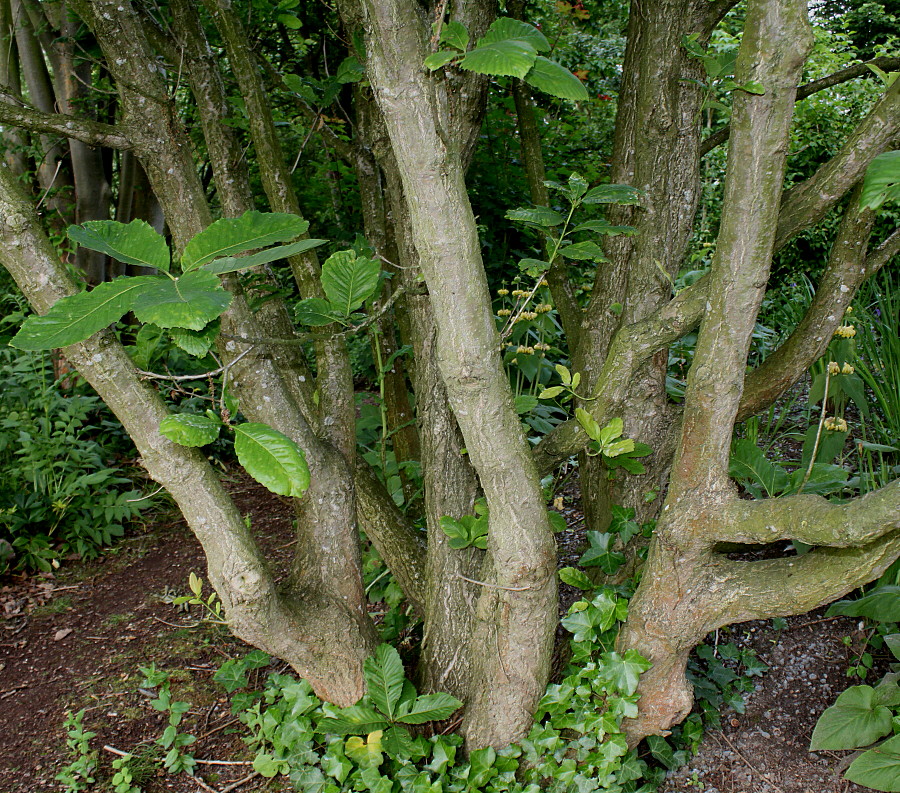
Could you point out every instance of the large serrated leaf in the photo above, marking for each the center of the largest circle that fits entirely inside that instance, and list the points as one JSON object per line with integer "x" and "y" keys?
{"x": 384, "y": 679}
{"x": 230, "y": 236}
{"x": 539, "y": 216}
{"x": 195, "y": 342}
{"x": 355, "y": 720}
{"x": 879, "y": 768}
{"x": 455, "y": 34}
{"x": 501, "y": 58}
{"x": 613, "y": 194}
{"x": 505, "y": 29}
{"x": 439, "y": 58}
{"x": 349, "y": 281}
{"x": 230, "y": 264}
{"x": 190, "y": 429}
{"x": 314, "y": 311}
{"x": 604, "y": 227}
{"x": 583, "y": 251}
{"x": 272, "y": 459}
{"x": 854, "y": 720}
{"x": 882, "y": 181}
{"x": 192, "y": 301}
{"x": 431, "y": 707}
{"x": 135, "y": 243}
{"x": 551, "y": 78}
{"x": 77, "y": 317}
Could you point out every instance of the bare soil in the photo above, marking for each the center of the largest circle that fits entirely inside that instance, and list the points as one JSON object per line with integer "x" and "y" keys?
{"x": 75, "y": 640}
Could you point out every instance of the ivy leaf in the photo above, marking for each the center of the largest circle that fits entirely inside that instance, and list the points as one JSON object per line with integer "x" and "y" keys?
{"x": 501, "y": 58}
{"x": 384, "y": 679}
{"x": 190, "y": 429}
{"x": 230, "y": 236}
{"x": 229, "y": 264}
{"x": 624, "y": 672}
{"x": 613, "y": 194}
{"x": 506, "y": 28}
{"x": 272, "y": 459}
{"x": 551, "y": 78}
{"x": 582, "y": 251}
{"x": 349, "y": 281}
{"x": 430, "y": 707}
{"x": 77, "y": 317}
{"x": 882, "y": 181}
{"x": 601, "y": 553}
{"x": 135, "y": 243}
{"x": 316, "y": 312}
{"x": 878, "y": 768}
{"x": 192, "y": 301}
{"x": 854, "y": 720}
{"x": 367, "y": 754}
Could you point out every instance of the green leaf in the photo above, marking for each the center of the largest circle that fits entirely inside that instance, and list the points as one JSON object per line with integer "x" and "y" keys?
{"x": 557, "y": 522}
{"x": 232, "y": 675}
{"x": 350, "y": 70}
{"x": 611, "y": 431}
{"x": 384, "y": 679}
{"x": 315, "y": 311}
{"x": 230, "y": 236}
{"x": 753, "y": 87}
{"x": 501, "y": 58}
{"x": 367, "y": 754}
{"x": 564, "y": 374}
{"x": 823, "y": 479}
{"x": 272, "y": 459}
{"x": 505, "y": 28}
{"x": 533, "y": 267}
{"x": 882, "y": 181}
{"x": 881, "y": 604}
{"x": 879, "y": 768}
{"x": 455, "y": 34}
{"x": 195, "y": 342}
{"x": 349, "y": 281}
{"x": 192, "y": 301}
{"x": 749, "y": 463}
{"x": 604, "y": 227}
{"x": 525, "y": 403}
{"x": 430, "y": 707}
{"x": 230, "y": 264}
{"x": 355, "y": 720}
{"x": 135, "y": 243}
{"x": 551, "y": 78}
{"x": 601, "y": 553}
{"x": 77, "y": 317}
{"x": 538, "y": 216}
{"x": 584, "y": 251}
{"x": 854, "y": 720}
{"x": 588, "y": 424}
{"x": 440, "y": 58}
{"x": 613, "y": 194}
{"x": 575, "y": 577}
{"x": 456, "y": 531}
{"x": 290, "y": 21}
{"x": 190, "y": 429}
{"x": 550, "y": 393}
{"x": 624, "y": 672}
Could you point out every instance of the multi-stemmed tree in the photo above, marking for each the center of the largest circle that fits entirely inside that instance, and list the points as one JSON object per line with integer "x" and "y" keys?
{"x": 489, "y": 615}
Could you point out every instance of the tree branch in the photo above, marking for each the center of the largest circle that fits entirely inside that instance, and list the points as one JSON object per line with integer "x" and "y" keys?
{"x": 808, "y": 89}
{"x": 812, "y": 519}
{"x": 796, "y": 584}
{"x": 93, "y": 133}
{"x": 807, "y": 203}
{"x": 847, "y": 269}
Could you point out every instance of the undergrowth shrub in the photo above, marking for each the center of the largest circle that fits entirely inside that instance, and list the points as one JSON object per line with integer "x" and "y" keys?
{"x": 62, "y": 491}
